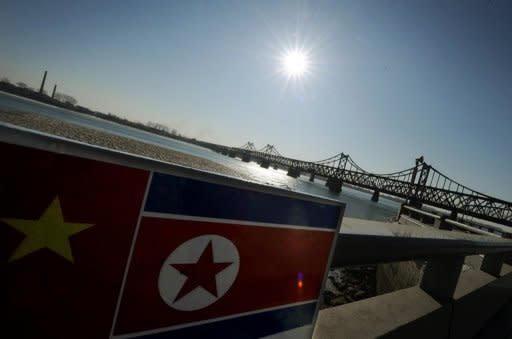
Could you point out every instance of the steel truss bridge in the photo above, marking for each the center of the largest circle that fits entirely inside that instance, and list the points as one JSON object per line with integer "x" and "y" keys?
{"x": 420, "y": 184}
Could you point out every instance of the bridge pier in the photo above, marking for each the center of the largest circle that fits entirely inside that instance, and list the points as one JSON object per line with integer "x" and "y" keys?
{"x": 246, "y": 157}
{"x": 334, "y": 184}
{"x": 293, "y": 172}
{"x": 265, "y": 163}
{"x": 401, "y": 210}
{"x": 375, "y": 196}
{"x": 312, "y": 176}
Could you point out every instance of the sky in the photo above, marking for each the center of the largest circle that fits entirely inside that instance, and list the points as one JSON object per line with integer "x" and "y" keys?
{"x": 388, "y": 80}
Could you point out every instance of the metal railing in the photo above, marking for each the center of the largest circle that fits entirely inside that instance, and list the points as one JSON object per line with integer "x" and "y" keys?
{"x": 448, "y": 222}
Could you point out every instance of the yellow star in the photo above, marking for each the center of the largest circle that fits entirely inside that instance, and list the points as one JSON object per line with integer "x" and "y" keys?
{"x": 50, "y": 231}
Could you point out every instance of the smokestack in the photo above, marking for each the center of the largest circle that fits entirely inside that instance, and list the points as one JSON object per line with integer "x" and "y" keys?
{"x": 54, "y": 88}
{"x": 42, "y": 83}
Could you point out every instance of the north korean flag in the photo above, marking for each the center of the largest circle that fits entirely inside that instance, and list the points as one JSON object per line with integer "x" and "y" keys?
{"x": 66, "y": 227}
{"x": 217, "y": 261}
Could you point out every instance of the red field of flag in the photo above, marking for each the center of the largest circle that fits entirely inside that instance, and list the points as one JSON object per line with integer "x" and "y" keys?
{"x": 66, "y": 226}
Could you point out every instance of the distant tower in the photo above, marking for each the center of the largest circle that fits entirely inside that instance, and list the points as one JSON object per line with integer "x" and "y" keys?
{"x": 42, "y": 83}
{"x": 54, "y": 89}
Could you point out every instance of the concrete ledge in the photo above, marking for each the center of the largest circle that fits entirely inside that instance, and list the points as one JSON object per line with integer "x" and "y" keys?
{"x": 405, "y": 313}
{"x": 478, "y": 297}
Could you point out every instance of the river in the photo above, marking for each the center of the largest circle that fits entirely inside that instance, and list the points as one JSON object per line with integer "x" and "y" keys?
{"x": 358, "y": 204}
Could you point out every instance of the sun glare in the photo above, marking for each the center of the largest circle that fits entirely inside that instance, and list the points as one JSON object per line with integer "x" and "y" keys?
{"x": 295, "y": 63}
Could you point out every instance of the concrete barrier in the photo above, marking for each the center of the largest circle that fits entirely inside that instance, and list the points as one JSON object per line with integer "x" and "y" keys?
{"x": 412, "y": 313}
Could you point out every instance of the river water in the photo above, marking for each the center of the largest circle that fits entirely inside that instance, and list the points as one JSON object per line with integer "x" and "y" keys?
{"x": 358, "y": 204}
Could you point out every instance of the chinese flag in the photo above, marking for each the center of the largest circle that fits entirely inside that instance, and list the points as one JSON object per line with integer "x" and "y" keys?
{"x": 66, "y": 228}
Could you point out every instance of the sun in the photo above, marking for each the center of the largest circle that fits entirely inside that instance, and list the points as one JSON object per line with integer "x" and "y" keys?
{"x": 295, "y": 63}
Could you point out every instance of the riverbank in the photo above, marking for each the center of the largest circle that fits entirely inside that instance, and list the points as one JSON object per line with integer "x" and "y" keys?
{"x": 99, "y": 138}
{"x": 69, "y": 103}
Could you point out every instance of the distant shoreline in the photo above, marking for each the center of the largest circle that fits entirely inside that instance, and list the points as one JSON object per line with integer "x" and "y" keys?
{"x": 156, "y": 128}
{"x": 99, "y": 138}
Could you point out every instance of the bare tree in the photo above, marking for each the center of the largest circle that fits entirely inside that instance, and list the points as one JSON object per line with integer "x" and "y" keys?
{"x": 71, "y": 100}
{"x": 158, "y": 126}
{"x": 65, "y": 98}
{"x": 22, "y": 85}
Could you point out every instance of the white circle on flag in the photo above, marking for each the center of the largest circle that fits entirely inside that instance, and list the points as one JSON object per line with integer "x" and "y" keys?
{"x": 171, "y": 281}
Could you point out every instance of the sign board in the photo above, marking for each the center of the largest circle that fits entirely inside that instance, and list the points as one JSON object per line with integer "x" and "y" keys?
{"x": 97, "y": 243}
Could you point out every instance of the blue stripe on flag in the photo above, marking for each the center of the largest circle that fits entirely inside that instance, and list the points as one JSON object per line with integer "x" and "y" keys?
{"x": 249, "y": 326}
{"x": 178, "y": 195}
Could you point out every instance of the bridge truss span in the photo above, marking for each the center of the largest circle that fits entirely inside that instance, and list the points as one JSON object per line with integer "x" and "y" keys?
{"x": 419, "y": 184}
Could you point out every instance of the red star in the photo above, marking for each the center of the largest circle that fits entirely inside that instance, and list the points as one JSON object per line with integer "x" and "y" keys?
{"x": 202, "y": 273}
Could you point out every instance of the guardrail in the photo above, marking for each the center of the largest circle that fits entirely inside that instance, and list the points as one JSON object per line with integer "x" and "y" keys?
{"x": 443, "y": 250}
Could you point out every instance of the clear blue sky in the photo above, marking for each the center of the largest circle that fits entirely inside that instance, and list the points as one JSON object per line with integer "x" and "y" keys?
{"x": 390, "y": 80}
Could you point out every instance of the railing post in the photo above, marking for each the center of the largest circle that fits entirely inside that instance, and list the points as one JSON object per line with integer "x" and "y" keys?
{"x": 442, "y": 224}
{"x": 402, "y": 210}
{"x": 492, "y": 264}
{"x": 441, "y": 276}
